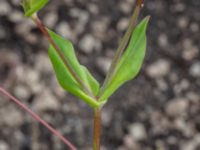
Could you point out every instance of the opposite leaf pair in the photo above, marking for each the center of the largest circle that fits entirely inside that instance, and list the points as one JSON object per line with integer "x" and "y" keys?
{"x": 89, "y": 91}
{"x": 126, "y": 69}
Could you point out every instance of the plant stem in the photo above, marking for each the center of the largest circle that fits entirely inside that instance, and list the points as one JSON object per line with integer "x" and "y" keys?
{"x": 140, "y": 3}
{"x": 123, "y": 45}
{"x": 38, "y": 118}
{"x": 45, "y": 32}
{"x": 97, "y": 129}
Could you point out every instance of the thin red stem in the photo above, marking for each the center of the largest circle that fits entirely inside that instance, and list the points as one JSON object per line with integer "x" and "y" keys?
{"x": 38, "y": 118}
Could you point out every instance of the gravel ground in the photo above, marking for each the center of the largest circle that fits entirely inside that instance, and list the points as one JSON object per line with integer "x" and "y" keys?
{"x": 159, "y": 110}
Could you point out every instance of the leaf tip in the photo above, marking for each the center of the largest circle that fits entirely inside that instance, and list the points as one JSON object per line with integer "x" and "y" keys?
{"x": 148, "y": 18}
{"x": 145, "y": 21}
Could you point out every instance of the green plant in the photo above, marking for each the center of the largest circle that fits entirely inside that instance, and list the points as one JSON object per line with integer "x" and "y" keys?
{"x": 76, "y": 79}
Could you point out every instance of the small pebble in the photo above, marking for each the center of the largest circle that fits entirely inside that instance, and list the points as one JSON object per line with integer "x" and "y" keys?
{"x": 123, "y": 24}
{"x": 16, "y": 16}
{"x": 87, "y": 44}
{"x": 50, "y": 19}
{"x": 65, "y": 30}
{"x": 138, "y": 131}
{"x": 195, "y": 69}
{"x": 22, "y": 92}
{"x": 4, "y": 146}
{"x": 46, "y": 101}
{"x": 11, "y": 116}
{"x": 183, "y": 22}
{"x": 103, "y": 64}
{"x": 5, "y": 8}
{"x": 163, "y": 40}
{"x": 158, "y": 69}
{"x": 190, "y": 53}
{"x": 177, "y": 107}
{"x": 194, "y": 27}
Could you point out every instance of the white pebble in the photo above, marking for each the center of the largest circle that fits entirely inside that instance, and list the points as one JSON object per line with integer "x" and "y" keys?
{"x": 138, "y": 131}
{"x": 195, "y": 70}
{"x": 159, "y": 68}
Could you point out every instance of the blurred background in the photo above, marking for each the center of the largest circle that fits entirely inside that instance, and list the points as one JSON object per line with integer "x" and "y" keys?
{"x": 159, "y": 110}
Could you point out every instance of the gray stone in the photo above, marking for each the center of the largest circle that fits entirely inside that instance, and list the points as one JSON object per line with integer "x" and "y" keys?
{"x": 106, "y": 117}
{"x": 183, "y": 22}
{"x": 103, "y": 64}
{"x": 129, "y": 143}
{"x": 179, "y": 7}
{"x": 83, "y": 17}
{"x": 24, "y": 27}
{"x": 192, "y": 144}
{"x": 99, "y": 27}
{"x": 46, "y": 101}
{"x": 125, "y": 7}
{"x": 5, "y": 8}
{"x": 4, "y": 146}
{"x": 22, "y": 92}
{"x": 93, "y": 9}
{"x": 187, "y": 43}
{"x": 65, "y": 30}
{"x": 32, "y": 79}
{"x": 162, "y": 85}
{"x": 190, "y": 53}
{"x": 123, "y": 24}
{"x": 16, "y": 16}
{"x": 163, "y": 40}
{"x": 11, "y": 116}
{"x": 137, "y": 131}
{"x": 32, "y": 39}
{"x": 193, "y": 97}
{"x": 16, "y": 2}
{"x": 87, "y": 44}
{"x": 159, "y": 68}
{"x": 50, "y": 19}
{"x": 195, "y": 69}
{"x": 42, "y": 63}
{"x": 29, "y": 77}
{"x": 194, "y": 27}
{"x": 187, "y": 128}
{"x": 177, "y": 107}
{"x": 2, "y": 32}
{"x": 180, "y": 87}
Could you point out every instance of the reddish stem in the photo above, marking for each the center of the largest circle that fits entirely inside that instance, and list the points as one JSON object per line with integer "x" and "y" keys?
{"x": 38, "y": 118}
{"x": 97, "y": 129}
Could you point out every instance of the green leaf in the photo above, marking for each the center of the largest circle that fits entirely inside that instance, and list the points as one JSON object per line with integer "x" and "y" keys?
{"x": 32, "y": 6}
{"x": 130, "y": 62}
{"x": 65, "y": 78}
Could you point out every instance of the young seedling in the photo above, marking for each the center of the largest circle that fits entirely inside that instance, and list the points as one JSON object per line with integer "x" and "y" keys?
{"x": 76, "y": 79}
